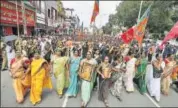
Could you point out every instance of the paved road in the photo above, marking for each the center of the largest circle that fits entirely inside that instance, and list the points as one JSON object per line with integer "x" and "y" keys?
{"x": 50, "y": 99}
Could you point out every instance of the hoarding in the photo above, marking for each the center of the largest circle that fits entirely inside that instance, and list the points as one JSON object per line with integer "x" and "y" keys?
{"x": 9, "y": 16}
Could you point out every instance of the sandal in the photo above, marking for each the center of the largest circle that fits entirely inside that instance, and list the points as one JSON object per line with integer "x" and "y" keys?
{"x": 119, "y": 99}
{"x": 82, "y": 106}
{"x": 60, "y": 96}
{"x": 106, "y": 103}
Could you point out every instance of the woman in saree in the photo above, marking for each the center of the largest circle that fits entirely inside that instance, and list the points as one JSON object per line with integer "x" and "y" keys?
{"x": 153, "y": 76}
{"x": 130, "y": 73}
{"x": 61, "y": 73}
{"x": 21, "y": 79}
{"x": 40, "y": 78}
{"x": 87, "y": 74}
{"x": 74, "y": 67}
{"x": 104, "y": 70}
{"x": 117, "y": 79}
{"x": 166, "y": 79}
{"x": 174, "y": 75}
{"x": 72, "y": 90}
{"x": 141, "y": 73}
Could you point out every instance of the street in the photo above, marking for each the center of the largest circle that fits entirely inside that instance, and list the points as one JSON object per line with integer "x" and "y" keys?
{"x": 50, "y": 99}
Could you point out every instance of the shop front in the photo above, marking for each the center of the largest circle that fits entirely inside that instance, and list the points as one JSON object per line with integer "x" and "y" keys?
{"x": 9, "y": 19}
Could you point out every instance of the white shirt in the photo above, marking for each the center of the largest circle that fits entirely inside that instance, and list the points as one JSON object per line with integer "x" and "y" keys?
{"x": 10, "y": 55}
{"x": 42, "y": 44}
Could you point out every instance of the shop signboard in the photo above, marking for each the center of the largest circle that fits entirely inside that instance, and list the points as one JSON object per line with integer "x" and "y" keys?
{"x": 9, "y": 16}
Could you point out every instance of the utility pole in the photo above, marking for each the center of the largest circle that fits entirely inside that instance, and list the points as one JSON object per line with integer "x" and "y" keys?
{"x": 139, "y": 11}
{"x": 17, "y": 13}
{"x": 24, "y": 18}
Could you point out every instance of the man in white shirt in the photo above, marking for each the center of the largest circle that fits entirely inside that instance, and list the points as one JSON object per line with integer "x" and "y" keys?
{"x": 42, "y": 44}
{"x": 10, "y": 53}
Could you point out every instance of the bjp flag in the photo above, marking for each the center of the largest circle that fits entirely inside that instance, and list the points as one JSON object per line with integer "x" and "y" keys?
{"x": 95, "y": 11}
{"x": 141, "y": 25}
{"x": 128, "y": 36}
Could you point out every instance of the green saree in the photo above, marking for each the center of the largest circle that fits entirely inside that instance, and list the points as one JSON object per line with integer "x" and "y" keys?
{"x": 140, "y": 75}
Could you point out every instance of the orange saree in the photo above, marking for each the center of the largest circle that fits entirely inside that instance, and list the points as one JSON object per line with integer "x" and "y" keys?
{"x": 20, "y": 83}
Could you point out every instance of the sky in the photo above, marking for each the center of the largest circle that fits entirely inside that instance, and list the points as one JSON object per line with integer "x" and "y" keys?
{"x": 84, "y": 10}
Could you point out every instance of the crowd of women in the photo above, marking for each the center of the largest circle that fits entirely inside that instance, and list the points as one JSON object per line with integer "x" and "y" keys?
{"x": 78, "y": 63}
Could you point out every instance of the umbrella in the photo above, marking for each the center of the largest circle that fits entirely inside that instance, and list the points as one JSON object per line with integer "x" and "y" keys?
{"x": 9, "y": 38}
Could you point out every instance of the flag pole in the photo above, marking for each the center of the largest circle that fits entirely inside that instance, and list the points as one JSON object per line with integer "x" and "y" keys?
{"x": 139, "y": 11}
{"x": 24, "y": 18}
{"x": 138, "y": 21}
{"x": 94, "y": 28}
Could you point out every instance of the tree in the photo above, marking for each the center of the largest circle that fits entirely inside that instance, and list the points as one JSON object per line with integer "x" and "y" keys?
{"x": 162, "y": 17}
{"x": 60, "y": 8}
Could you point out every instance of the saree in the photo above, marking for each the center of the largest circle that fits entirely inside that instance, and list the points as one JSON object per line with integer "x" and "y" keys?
{"x": 104, "y": 83}
{"x": 39, "y": 80}
{"x": 87, "y": 86}
{"x": 59, "y": 69}
{"x": 20, "y": 85}
{"x": 74, "y": 66}
{"x": 129, "y": 75}
{"x": 174, "y": 74}
{"x": 140, "y": 76}
{"x": 166, "y": 82}
{"x": 153, "y": 84}
{"x": 117, "y": 84}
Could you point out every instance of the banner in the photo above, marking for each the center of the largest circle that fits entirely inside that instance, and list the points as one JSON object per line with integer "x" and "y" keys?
{"x": 171, "y": 35}
{"x": 8, "y": 14}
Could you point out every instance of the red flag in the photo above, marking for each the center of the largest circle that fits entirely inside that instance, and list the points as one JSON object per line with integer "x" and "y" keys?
{"x": 171, "y": 35}
{"x": 95, "y": 11}
{"x": 128, "y": 36}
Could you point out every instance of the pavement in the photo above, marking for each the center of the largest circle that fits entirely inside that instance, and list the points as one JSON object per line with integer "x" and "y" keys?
{"x": 50, "y": 98}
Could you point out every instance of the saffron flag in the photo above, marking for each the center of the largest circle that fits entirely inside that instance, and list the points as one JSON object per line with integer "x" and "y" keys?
{"x": 128, "y": 36}
{"x": 141, "y": 25}
{"x": 95, "y": 11}
{"x": 171, "y": 35}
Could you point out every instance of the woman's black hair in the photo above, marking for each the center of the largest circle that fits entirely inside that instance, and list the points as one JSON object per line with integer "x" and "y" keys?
{"x": 168, "y": 55}
{"x": 77, "y": 51}
{"x": 157, "y": 55}
{"x": 130, "y": 53}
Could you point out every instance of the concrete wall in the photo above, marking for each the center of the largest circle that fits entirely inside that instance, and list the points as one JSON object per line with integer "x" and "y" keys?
{"x": 51, "y": 22}
{"x": 40, "y": 14}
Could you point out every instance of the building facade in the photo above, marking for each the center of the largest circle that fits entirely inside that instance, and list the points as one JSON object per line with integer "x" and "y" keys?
{"x": 51, "y": 15}
{"x": 40, "y": 6}
{"x": 11, "y": 16}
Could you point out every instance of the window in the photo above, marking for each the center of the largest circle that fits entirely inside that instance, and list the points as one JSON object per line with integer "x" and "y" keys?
{"x": 49, "y": 13}
{"x": 56, "y": 15}
{"x": 43, "y": 6}
{"x": 40, "y": 6}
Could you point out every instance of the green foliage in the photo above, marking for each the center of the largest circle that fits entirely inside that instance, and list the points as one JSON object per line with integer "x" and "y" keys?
{"x": 162, "y": 17}
{"x": 60, "y": 7}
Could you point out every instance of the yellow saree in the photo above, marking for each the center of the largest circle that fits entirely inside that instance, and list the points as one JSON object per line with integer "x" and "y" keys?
{"x": 166, "y": 81}
{"x": 40, "y": 80}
